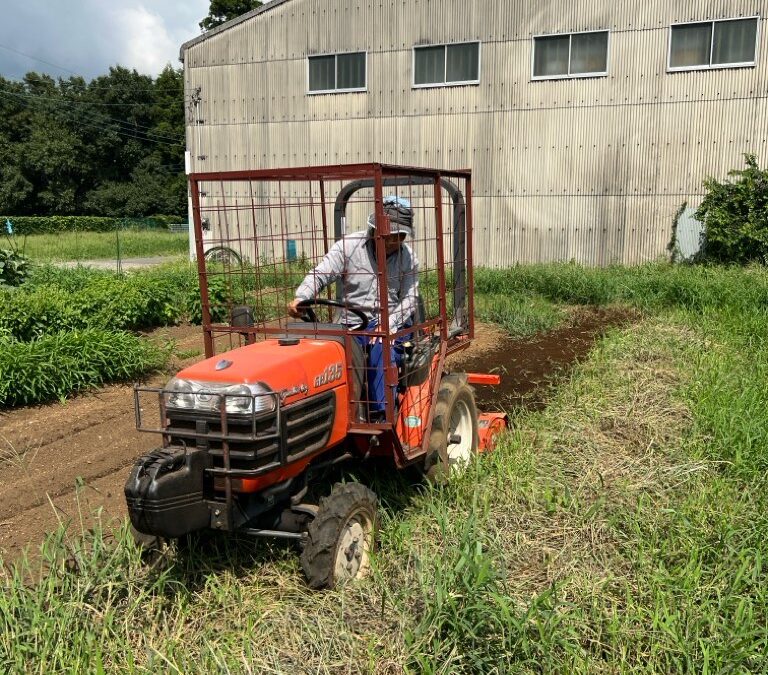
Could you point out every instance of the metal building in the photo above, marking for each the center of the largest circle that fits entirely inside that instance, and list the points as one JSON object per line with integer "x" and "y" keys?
{"x": 586, "y": 124}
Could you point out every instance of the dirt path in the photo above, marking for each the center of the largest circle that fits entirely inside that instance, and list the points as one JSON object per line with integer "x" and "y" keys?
{"x": 125, "y": 263}
{"x": 62, "y": 460}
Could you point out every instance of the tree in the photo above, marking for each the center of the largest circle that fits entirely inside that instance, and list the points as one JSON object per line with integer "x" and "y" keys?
{"x": 224, "y": 10}
{"x": 113, "y": 146}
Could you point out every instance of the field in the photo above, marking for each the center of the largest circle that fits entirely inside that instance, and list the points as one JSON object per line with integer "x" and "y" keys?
{"x": 103, "y": 245}
{"x": 619, "y": 527}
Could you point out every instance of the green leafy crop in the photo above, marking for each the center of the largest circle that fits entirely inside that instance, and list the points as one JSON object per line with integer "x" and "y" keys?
{"x": 67, "y": 362}
{"x": 14, "y": 267}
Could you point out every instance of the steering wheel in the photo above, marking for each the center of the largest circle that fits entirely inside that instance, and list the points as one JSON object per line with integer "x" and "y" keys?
{"x": 310, "y": 317}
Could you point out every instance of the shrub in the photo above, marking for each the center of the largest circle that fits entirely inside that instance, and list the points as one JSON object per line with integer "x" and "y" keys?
{"x": 14, "y": 267}
{"x": 66, "y": 362}
{"x": 735, "y": 215}
{"x": 217, "y": 298}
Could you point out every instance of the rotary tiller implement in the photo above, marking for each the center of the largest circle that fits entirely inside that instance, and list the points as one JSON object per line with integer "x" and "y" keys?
{"x": 246, "y": 432}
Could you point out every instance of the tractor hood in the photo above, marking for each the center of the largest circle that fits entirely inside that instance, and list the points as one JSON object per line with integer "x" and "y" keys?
{"x": 293, "y": 368}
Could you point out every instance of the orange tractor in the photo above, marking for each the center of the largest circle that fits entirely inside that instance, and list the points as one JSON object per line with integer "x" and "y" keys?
{"x": 247, "y": 431}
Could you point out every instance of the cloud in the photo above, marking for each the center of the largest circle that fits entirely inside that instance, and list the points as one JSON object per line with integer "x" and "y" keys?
{"x": 88, "y": 36}
{"x": 144, "y": 41}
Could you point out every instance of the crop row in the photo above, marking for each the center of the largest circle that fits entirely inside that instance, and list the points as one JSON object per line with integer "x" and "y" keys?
{"x": 60, "y": 300}
{"x": 58, "y": 365}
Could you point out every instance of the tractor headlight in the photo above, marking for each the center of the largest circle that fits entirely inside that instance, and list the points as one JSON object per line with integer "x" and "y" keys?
{"x": 181, "y": 394}
{"x": 207, "y": 396}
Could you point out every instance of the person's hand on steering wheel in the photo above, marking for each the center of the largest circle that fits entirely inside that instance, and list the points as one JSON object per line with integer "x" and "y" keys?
{"x": 294, "y": 310}
{"x": 302, "y": 309}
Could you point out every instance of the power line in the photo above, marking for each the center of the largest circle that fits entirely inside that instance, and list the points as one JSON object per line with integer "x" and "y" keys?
{"x": 34, "y": 58}
{"x": 71, "y": 72}
{"x": 119, "y": 131}
{"x": 128, "y": 124}
{"x": 93, "y": 103}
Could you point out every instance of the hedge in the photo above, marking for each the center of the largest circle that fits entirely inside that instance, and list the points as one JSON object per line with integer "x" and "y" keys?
{"x": 57, "y": 224}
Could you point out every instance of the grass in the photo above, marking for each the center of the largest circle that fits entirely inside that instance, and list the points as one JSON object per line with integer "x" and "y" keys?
{"x": 519, "y": 314}
{"x": 104, "y": 245}
{"x": 620, "y": 529}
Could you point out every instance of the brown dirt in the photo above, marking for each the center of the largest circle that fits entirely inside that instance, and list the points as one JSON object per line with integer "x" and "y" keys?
{"x": 52, "y": 456}
{"x": 62, "y": 460}
{"x": 527, "y": 367}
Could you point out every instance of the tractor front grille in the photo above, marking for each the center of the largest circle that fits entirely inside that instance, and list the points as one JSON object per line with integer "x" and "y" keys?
{"x": 303, "y": 428}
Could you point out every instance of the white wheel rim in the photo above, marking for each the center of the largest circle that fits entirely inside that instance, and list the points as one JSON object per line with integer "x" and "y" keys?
{"x": 354, "y": 549}
{"x": 460, "y": 425}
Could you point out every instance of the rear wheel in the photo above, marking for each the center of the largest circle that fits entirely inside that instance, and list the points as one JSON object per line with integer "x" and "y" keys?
{"x": 224, "y": 255}
{"x": 453, "y": 440}
{"x": 341, "y": 537}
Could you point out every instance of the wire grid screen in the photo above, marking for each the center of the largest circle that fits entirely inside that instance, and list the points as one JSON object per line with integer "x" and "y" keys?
{"x": 313, "y": 238}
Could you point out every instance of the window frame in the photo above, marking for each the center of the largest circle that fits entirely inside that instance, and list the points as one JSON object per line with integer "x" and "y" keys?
{"x": 452, "y": 83}
{"x": 711, "y": 66}
{"x": 353, "y": 90}
{"x": 569, "y": 76}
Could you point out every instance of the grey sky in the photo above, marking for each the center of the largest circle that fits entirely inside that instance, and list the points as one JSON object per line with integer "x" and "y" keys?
{"x": 88, "y": 36}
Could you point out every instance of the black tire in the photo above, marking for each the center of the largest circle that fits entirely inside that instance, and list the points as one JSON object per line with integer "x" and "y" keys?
{"x": 348, "y": 505}
{"x": 455, "y": 397}
{"x": 224, "y": 255}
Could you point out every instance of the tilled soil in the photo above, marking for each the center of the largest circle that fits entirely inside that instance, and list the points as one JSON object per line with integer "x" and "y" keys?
{"x": 528, "y": 366}
{"x": 60, "y": 462}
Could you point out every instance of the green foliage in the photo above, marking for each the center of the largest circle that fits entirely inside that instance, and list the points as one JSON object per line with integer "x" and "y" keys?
{"x": 520, "y": 315}
{"x": 224, "y": 10}
{"x": 735, "y": 215}
{"x": 111, "y": 147}
{"x": 218, "y": 299}
{"x": 150, "y": 189}
{"x": 14, "y": 267}
{"x": 24, "y": 225}
{"x": 57, "y": 365}
{"x": 74, "y": 300}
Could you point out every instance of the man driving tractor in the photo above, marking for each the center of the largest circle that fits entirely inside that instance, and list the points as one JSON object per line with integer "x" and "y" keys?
{"x": 352, "y": 261}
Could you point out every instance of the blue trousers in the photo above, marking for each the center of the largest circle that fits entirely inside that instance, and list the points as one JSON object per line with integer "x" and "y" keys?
{"x": 374, "y": 351}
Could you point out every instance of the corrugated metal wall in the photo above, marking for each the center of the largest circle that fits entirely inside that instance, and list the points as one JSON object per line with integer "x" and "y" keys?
{"x": 591, "y": 170}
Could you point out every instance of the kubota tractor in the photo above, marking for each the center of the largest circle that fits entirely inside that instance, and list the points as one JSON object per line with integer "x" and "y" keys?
{"x": 247, "y": 431}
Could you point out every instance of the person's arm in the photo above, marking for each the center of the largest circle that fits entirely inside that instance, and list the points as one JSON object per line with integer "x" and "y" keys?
{"x": 408, "y": 294}
{"x": 328, "y": 270}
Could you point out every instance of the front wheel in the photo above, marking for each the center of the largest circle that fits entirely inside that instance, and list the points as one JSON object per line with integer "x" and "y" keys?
{"x": 341, "y": 537}
{"x": 453, "y": 440}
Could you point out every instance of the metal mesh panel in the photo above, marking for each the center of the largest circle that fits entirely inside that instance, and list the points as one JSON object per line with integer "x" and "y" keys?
{"x": 399, "y": 293}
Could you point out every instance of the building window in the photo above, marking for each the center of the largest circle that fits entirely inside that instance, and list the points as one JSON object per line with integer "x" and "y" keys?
{"x": 570, "y": 55}
{"x": 443, "y": 65}
{"x": 337, "y": 72}
{"x": 713, "y": 44}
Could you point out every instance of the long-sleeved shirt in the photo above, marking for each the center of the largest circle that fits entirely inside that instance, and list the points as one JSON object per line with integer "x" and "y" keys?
{"x": 352, "y": 261}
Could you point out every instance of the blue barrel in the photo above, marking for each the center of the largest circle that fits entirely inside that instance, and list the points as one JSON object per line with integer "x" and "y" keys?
{"x": 290, "y": 250}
